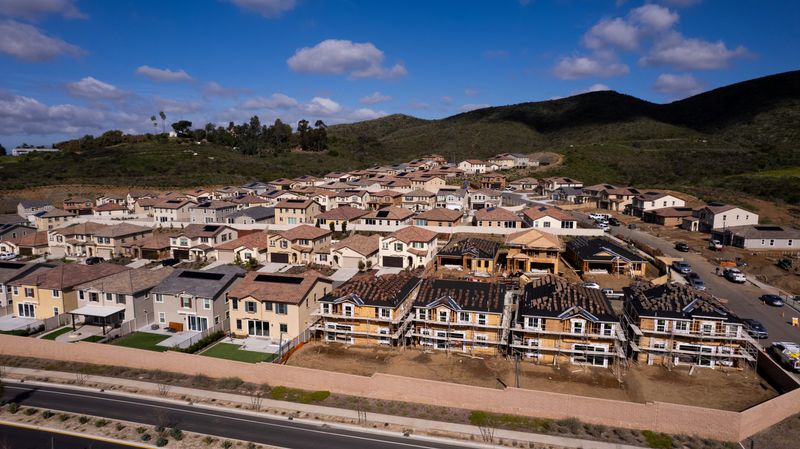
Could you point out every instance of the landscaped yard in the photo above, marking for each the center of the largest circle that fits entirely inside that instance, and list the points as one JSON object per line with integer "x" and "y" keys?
{"x": 143, "y": 340}
{"x": 56, "y": 333}
{"x": 93, "y": 338}
{"x": 232, "y": 352}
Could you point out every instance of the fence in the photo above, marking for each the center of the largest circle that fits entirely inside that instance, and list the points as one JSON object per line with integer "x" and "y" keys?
{"x": 656, "y": 416}
{"x": 54, "y": 322}
{"x": 288, "y": 348}
{"x": 195, "y": 338}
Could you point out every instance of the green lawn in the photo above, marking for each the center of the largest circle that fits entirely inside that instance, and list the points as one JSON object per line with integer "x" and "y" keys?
{"x": 232, "y": 352}
{"x": 94, "y": 338}
{"x": 57, "y": 332}
{"x": 142, "y": 340}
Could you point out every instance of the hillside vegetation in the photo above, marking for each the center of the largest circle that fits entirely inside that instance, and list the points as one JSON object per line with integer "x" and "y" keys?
{"x": 721, "y": 139}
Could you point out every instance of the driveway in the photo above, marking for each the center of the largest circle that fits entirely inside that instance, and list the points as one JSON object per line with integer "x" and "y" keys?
{"x": 343, "y": 274}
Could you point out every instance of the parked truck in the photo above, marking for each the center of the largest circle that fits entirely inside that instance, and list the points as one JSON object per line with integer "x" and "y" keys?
{"x": 787, "y": 353}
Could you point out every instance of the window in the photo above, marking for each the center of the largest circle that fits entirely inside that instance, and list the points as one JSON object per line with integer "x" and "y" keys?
{"x": 120, "y": 299}
{"x": 281, "y": 309}
{"x": 284, "y": 244}
{"x": 56, "y": 293}
{"x": 444, "y": 316}
{"x": 681, "y": 326}
{"x": 482, "y": 319}
{"x": 422, "y": 314}
{"x": 109, "y": 297}
{"x": 55, "y": 311}
{"x": 250, "y": 306}
{"x": 162, "y": 317}
{"x": 159, "y": 298}
{"x": 258, "y": 328}
{"x": 707, "y": 328}
{"x": 534, "y": 323}
{"x": 398, "y": 247}
{"x": 607, "y": 329}
{"x": 661, "y": 325}
{"x": 323, "y": 257}
{"x": 545, "y": 224}
{"x": 206, "y": 303}
{"x": 418, "y": 245}
{"x": 385, "y": 313}
{"x": 186, "y": 302}
{"x": 578, "y": 326}
{"x": 28, "y": 292}
{"x": 326, "y": 308}
{"x": 239, "y": 324}
{"x": 284, "y": 328}
{"x": 268, "y": 306}
{"x": 347, "y": 310}
{"x": 463, "y": 317}
{"x": 235, "y": 304}
{"x": 481, "y": 341}
{"x": 81, "y": 295}
{"x": 16, "y": 291}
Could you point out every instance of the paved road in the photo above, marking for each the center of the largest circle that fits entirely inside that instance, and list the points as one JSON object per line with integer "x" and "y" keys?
{"x": 19, "y": 438}
{"x": 277, "y": 432}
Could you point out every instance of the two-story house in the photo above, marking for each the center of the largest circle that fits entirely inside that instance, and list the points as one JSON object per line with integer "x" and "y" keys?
{"x": 409, "y": 247}
{"x": 298, "y": 245}
{"x": 451, "y": 197}
{"x": 171, "y": 210}
{"x": 548, "y": 185}
{"x": 531, "y": 250}
{"x": 472, "y": 166}
{"x": 439, "y": 217}
{"x": 78, "y": 205}
{"x": 52, "y": 219}
{"x": 355, "y": 198}
{"x": 524, "y": 184}
{"x": 497, "y": 217}
{"x": 209, "y": 212}
{"x": 419, "y": 200}
{"x": 252, "y": 215}
{"x": 340, "y": 218}
{"x": 647, "y": 201}
{"x": 426, "y": 181}
{"x": 604, "y": 256}
{"x": 11, "y": 271}
{"x": 493, "y": 181}
{"x": 196, "y": 241}
{"x": 385, "y": 198}
{"x": 721, "y": 216}
{"x": 108, "y": 241}
{"x": 484, "y": 198}
{"x": 296, "y": 211}
{"x": 356, "y": 251}
{"x": 26, "y": 208}
{"x": 470, "y": 254}
{"x": 388, "y": 216}
{"x": 548, "y": 217}
{"x": 368, "y": 309}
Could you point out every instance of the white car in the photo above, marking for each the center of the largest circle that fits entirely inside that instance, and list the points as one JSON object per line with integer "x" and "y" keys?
{"x": 599, "y": 217}
{"x": 734, "y": 275}
{"x": 7, "y": 256}
{"x": 593, "y": 285}
{"x": 604, "y": 226}
{"x": 715, "y": 245}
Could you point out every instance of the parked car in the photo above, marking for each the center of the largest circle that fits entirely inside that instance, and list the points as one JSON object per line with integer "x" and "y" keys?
{"x": 682, "y": 267}
{"x": 696, "y": 282}
{"x": 614, "y": 222}
{"x": 170, "y": 262}
{"x": 597, "y": 216}
{"x": 604, "y": 226}
{"x": 714, "y": 244}
{"x": 593, "y": 285}
{"x": 734, "y": 275}
{"x": 788, "y": 353}
{"x": 7, "y": 256}
{"x": 755, "y": 328}
{"x": 682, "y": 247}
{"x": 610, "y": 293}
{"x": 772, "y": 300}
{"x": 93, "y": 260}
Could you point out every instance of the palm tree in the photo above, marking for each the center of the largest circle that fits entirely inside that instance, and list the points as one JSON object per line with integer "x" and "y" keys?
{"x": 153, "y": 119}
{"x": 163, "y": 124}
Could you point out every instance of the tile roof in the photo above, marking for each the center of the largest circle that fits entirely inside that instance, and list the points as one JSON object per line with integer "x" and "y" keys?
{"x": 9, "y": 271}
{"x": 764, "y": 232}
{"x": 172, "y": 203}
{"x": 277, "y": 287}
{"x": 390, "y": 213}
{"x": 342, "y": 213}
{"x": 389, "y": 290}
{"x": 34, "y": 239}
{"x": 64, "y": 276}
{"x": 156, "y": 241}
{"x": 214, "y": 205}
{"x": 364, "y": 245}
{"x": 533, "y": 238}
{"x": 496, "y": 214}
{"x": 128, "y": 282}
{"x": 385, "y": 193}
{"x": 294, "y": 203}
{"x": 123, "y": 229}
{"x": 537, "y": 212}
{"x": 420, "y": 193}
{"x": 550, "y": 296}
{"x": 195, "y": 230}
{"x": 258, "y": 240}
{"x": 304, "y": 232}
{"x": 671, "y": 212}
{"x": 413, "y": 234}
{"x": 440, "y": 214}
{"x": 257, "y": 213}
{"x": 476, "y": 247}
{"x": 462, "y": 295}
{"x": 85, "y": 228}
{"x": 28, "y": 204}
{"x": 56, "y": 212}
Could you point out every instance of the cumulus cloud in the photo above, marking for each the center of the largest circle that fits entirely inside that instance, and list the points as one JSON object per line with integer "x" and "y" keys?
{"x": 26, "y": 42}
{"x": 472, "y": 106}
{"x": 574, "y": 67}
{"x": 599, "y": 87}
{"x": 365, "y": 114}
{"x": 616, "y": 32}
{"x": 267, "y": 8}
{"x": 93, "y": 89}
{"x": 678, "y": 86}
{"x": 166, "y": 75}
{"x": 34, "y": 9}
{"x": 691, "y": 54}
{"x": 274, "y": 101}
{"x": 653, "y": 18}
{"x": 375, "y": 98}
{"x": 322, "y": 106}
{"x": 338, "y": 57}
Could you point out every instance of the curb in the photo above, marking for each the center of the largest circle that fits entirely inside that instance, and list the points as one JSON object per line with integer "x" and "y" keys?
{"x": 86, "y": 436}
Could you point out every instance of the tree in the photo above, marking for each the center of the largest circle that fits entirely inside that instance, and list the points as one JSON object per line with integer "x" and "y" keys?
{"x": 163, "y": 121}
{"x": 303, "y": 134}
{"x": 3, "y": 151}
{"x": 182, "y": 128}
{"x": 155, "y": 123}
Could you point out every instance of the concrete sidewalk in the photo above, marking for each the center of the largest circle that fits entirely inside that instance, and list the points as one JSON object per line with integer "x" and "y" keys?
{"x": 424, "y": 425}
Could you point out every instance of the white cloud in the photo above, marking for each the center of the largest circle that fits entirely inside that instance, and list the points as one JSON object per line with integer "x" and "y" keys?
{"x": 681, "y": 3}
{"x": 653, "y": 18}
{"x": 615, "y": 32}
{"x": 337, "y": 57}
{"x": 322, "y": 106}
{"x": 365, "y": 114}
{"x": 691, "y": 54}
{"x": 678, "y": 86}
{"x": 267, "y": 8}
{"x": 163, "y": 74}
{"x": 472, "y": 106}
{"x": 177, "y": 106}
{"x": 274, "y": 101}
{"x": 28, "y": 43}
{"x": 574, "y": 67}
{"x": 93, "y": 89}
{"x": 34, "y": 9}
{"x": 599, "y": 87}
{"x": 213, "y": 88}
{"x": 375, "y": 98}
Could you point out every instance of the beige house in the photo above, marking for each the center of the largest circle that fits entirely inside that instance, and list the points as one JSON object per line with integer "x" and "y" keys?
{"x": 340, "y": 218}
{"x": 497, "y": 217}
{"x": 296, "y": 211}
{"x": 253, "y": 246}
{"x": 439, "y": 217}
{"x": 547, "y": 217}
{"x": 409, "y": 247}
{"x": 111, "y": 210}
{"x": 109, "y": 241}
{"x": 355, "y": 198}
{"x": 211, "y": 211}
{"x": 531, "y": 250}
{"x": 275, "y": 305}
{"x": 171, "y": 210}
{"x": 426, "y": 181}
{"x": 388, "y": 216}
{"x": 419, "y": 200}
{"x": 647, "y": 201}
{"x": 51, "y": 219}
{"x": 298, "y": 245}
{"x": 355, "y": 251}
{"x": 196, "y": 241}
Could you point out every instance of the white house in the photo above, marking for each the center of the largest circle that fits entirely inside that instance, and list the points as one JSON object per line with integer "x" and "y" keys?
{"x": 721, "y": 216}
{"x": 472, "y": 166}
{"x": 409, "y": 247}
{"x": 654, "y": 200}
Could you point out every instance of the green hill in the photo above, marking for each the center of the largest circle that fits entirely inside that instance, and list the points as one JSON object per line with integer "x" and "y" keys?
{"x": 707, "y": 142}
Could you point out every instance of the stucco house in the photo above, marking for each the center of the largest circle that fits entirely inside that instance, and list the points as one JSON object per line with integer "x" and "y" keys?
{"x": 409, "y": 247}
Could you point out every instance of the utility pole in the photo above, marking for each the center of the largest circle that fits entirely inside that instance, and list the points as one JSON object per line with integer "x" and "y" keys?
{"x": 516, "y": 370}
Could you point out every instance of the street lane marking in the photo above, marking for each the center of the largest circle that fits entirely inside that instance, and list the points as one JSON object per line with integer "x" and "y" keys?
{"x": 215, "y": 415}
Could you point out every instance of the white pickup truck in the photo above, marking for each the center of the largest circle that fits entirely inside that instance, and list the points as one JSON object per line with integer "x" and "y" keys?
{"x": 788, "y": 354}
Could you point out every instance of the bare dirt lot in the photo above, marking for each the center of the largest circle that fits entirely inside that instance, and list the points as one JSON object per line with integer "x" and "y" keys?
{"x": 639, "y": 383}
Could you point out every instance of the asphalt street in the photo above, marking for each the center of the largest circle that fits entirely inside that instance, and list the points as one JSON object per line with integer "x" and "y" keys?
{"x": 283, "y": 433}
{"x": 20, "y": 438}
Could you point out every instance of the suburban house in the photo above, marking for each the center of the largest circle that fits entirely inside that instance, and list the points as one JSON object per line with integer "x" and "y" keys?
{"x": 108, "y": 241}
{"x": 549, "y": 185}
{"x": 34, "y": 244}
{"x": 214, "y": 211}
{"x": 111, "y": 210}
{"x": 493, "y": 181}
{"x": 461, "y": 316}
{"x": 275, "y": 305}
{"x": 296, "y": 211}
{"x": 450, "y": 197}
{"x": 470, "y": 254}
{"x": 611, "y": 197}
{"x": 388, "y": 216}
{"x": 11, "y": 271}
{"x": 385, "y": 198}
{"x": 439, "y": 217}
{"x": 252, "y": 215}
{"x": 283, "y": 184}
{"x": 198, "y": 195}
{"x": 503, "y": 161}
{"x": 340, "y": 218}
{"x": 135, "y": 196}
{"x": 155, "y": 247}
{"x": 497, "y": 217}
{"x": 113, "y": 198}
{"x": 472, "y": 166}
{"x": 255, "y": 188}
{"x": 191, "y": 300}
{"x": 674, "y": 324}
{"x": 720, "y": 216}
{"x": 307, "y": 181}
{"x": 12, "y": 231}
{"x": 768, "y": 237}
{"x": 654, "y": 200}
{"x": 120, "y": 297}
{"x": 667, "y": 216}
{"x": 426, "y": 181}
{"x": 603, "y": 256}
{"x": 253, "y": 246}
{"x": 484, "y": 198}
{"x": 48, "y": 293}
{"x": 26, "y": 208}
{"x": 75, "y": 240}
{"x": 572, "y": 195}
{"x": 548, "y": 217}
{"x": 356, "y": 251}
{"x": 409, "y": 247}
{"x": 52, "y": 219}
{"x": 369, "y": 309}
{"x": 358, "y": 199}
{"x": 524, "y": 184}
{"x": 79, "y": 205}
{"x": 170, "y": 210}
{"x": 298, "y": 245}
{"x": 419, "y": 200}
{"x": 559, "y": 322}
{"x": 195, "y": 241}
{"x": 248, "y": 201}
{"x": 534, "y": 251}
{"x": 144, "y": 206}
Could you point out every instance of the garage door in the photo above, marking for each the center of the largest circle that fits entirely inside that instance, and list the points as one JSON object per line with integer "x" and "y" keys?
{"x": 393, "y": 261}
{"x": 279, "y": 258}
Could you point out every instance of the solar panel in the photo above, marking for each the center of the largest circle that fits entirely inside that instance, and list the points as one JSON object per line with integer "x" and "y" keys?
{"x": 382, "y": 214}
{"x": 279, "y": 279}
{"x": 768, "y": 228}
{"x": 210, "y": 228}
{"x": 202, "y": 275}
{"x": 11, "y": 265}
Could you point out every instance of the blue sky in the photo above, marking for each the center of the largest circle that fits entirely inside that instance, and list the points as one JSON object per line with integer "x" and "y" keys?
{"x": 69, "y": 68}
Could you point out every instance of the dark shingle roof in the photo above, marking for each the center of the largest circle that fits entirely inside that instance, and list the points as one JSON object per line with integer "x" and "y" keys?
{"x": 675, "y": 301}
{"x": 205, "y": 284}
{"x": 591, "y": 250}
{"x": 389, "y": 290}
{"x": 479, "y": 248}
{"x": 551, "y": 297}
{"x": 466, "y": 295}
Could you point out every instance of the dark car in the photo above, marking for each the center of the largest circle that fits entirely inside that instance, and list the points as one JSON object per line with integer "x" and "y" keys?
{"x": 756, "y": 329}
{"x": 93, "y": 260}
{"x": 614, "y": 222}
{"x": 772, "y": 300}
{"x": 682, "y": 247}
{"x": 170, "y": 262}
